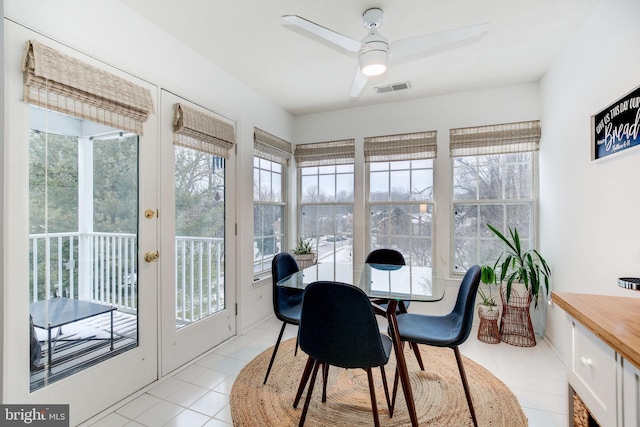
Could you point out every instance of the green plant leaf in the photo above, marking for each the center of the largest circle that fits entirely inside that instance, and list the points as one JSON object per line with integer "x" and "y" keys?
{"x": 528, "y": 267}
{"x": 487, "y": 274}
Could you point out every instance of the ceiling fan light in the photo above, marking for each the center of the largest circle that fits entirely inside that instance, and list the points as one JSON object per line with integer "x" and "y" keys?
{"x": 373, "y": 62}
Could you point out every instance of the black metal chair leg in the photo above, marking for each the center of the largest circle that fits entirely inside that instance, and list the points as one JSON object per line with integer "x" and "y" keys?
{"x": 465, "y": 384}
{"x": 275, "y": 350}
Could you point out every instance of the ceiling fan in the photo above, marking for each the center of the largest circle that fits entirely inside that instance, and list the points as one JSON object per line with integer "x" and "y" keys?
{"x": 374, "y": 51}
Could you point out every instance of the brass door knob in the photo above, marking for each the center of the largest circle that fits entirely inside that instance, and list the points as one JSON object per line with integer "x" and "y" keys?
{"x": 151, "y": 256}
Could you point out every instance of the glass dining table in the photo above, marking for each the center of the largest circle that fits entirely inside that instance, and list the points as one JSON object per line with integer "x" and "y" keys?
{"x": 392, "y": 283}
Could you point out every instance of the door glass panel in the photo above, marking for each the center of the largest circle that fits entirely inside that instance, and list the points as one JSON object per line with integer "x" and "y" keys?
{"x": 199, "y": 189}
{"x": 83, "y": 230}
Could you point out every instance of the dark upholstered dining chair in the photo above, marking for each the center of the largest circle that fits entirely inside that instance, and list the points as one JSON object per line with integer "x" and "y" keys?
{"x": 449, "y": 330}
{"x": 385, "y": 256}
{"x": 390, "y": 257}
{"x": 287, "y": 302}
{"x": 338, "y": 327}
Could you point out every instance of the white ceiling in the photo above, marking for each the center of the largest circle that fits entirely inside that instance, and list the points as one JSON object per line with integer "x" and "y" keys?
{"x": 248, "y": 39}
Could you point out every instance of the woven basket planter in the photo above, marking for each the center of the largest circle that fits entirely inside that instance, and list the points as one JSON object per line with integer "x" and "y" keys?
{"x": 515, "y": 324}
{"x": 305, "y": 260}
{"x": 488, "y": 329}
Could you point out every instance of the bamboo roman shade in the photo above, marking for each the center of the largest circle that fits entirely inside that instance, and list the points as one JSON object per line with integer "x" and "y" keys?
{"x": 408, "y": 146}
{"x": 271, "y": 147}
{"x": 495, "y": 139}
{"x": 203, "y": 132}
{"x": 341, "y": 152}
{"x": 65, "y": 84}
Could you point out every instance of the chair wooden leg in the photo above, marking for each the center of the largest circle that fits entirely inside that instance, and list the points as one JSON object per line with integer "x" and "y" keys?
{"x": 416, "y": 351}
{"x": 295, "y": 353}
{"x": 465, "y": 384}
{"x": 372, "y": 392}
{"x": 386, "y": 389}
{"x": 275, "y": 350}
{"x": 316, "y": 364}
{"x": 396, "y": 378}
{"x": 303, "y": 380}
{"x": 325, "y": 378}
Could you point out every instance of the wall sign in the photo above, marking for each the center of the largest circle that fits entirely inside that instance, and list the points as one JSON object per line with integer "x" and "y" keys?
{"x": 617, "y": 127}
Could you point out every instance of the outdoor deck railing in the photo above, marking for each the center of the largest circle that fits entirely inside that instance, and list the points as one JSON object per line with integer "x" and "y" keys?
{"x": 199, "y": 277}
{"x": 102, "y": 267}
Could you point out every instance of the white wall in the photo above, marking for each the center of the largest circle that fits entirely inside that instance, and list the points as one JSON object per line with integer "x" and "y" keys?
{"x": 441, "y": 113}
{"x": 589, "y": 223}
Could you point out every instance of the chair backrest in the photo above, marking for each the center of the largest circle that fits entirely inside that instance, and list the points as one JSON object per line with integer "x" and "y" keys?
{"x": 464, "y": 309}
{"x": 283, "y": 265}
{"x": 338, "y": 326}
{"x": 385, "y": 256}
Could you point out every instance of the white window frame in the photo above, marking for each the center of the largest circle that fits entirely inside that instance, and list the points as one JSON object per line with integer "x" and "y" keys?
{"x": 339, "y": 238}
{"x": 282, "y": 203}
{"x": 511, "y": 138}
{"x": 427, "y": 205}
{"x": 330, "y": 158}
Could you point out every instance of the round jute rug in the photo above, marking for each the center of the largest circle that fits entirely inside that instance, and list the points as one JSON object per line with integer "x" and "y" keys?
{"x": 438, "y": 393}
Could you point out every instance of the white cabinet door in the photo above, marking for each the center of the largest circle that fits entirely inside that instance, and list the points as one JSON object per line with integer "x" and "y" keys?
{"x": 592, "y": 374}
{"x": 630, "y": 395}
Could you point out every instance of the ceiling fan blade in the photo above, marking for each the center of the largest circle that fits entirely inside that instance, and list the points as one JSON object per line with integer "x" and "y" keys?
{"x": 359, "y": 82}
{"x": 421, "y": 44}
{"x": 336, "y": 38}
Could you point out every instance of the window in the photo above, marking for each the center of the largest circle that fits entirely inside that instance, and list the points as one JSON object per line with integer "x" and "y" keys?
{"x": 400, "y": 194}
{"x": 493, "y": 183}
{"x": 326, "y": 197}
{"x": 268, "y": 212}
{"x": 269, "y": 198}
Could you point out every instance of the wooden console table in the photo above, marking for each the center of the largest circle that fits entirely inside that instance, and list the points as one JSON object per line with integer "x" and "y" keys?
{"x": 603, "y": 366}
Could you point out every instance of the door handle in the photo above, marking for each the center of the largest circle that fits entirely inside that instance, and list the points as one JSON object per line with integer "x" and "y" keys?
{"x": 151, "y": 256}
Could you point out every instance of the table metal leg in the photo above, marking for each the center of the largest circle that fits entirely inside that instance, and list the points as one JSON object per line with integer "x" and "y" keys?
{"x": 49, "y": 346}
{"x": 111, "y": 329}
{"x": 401, "y": 362}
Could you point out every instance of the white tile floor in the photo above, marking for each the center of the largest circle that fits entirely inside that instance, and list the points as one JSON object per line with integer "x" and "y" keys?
{"x": 198, "y": 395}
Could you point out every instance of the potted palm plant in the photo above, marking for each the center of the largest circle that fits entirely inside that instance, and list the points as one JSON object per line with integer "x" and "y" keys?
{"x": 520, "y": 266}
{"x": 304, "y": 254}
{"x": 528, "y": 270}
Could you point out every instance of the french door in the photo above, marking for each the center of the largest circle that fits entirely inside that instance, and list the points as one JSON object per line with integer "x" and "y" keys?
{"x": 74, "y": 201}
{"x": 197, "y": 292}
{"x": 122, "y": 224}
